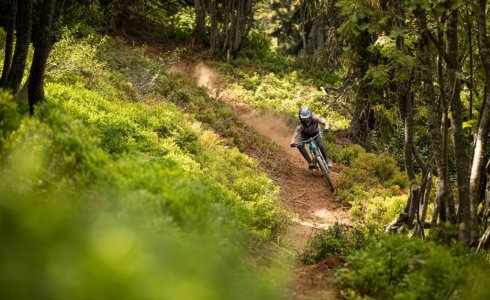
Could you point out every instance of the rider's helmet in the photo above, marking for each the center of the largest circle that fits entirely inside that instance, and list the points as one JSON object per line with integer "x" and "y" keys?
{"x": 305, "y": 115}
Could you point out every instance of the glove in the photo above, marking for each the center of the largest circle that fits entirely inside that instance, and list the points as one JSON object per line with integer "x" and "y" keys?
{"x": 326, "y": 130}
{"x": 292, "y": 145}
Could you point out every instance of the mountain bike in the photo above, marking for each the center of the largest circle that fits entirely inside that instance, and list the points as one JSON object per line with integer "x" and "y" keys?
{"x": 317, "y": 157}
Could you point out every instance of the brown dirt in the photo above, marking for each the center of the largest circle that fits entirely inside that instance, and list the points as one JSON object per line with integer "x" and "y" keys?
{"x": 303, "y": 192}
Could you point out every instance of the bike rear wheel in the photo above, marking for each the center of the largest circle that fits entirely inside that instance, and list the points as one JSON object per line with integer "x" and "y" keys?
{"x": 325, "y": 172}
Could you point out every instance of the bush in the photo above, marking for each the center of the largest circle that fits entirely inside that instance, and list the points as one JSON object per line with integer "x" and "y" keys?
{"x": 345, "y": 155}
{"x": 257, "y": 45}
{"x": 336, "y": 241}
{"x": 9, "y": 117}
{"x": 397, "y": 267}
{"x": 89, "y": 251}
{"x": 373, "y": 186}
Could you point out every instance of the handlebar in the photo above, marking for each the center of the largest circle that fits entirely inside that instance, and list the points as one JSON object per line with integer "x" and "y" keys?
{"x": 305, "y": 142}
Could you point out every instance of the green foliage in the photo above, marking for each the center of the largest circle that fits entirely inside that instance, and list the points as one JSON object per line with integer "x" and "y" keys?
{"x": 53, "y": 248}
{"x": 402, "y": 63}
{"x": 362, "y": 16}
{"x": 378, "y": 76}
{"x": 381, "y": 170}
{"x": 257, "y": 45}
{"x": 400, "y": 268}
{"x": 181, "y": 25}
{"x": 9, "y": 117}
{"x": 110, "y": 161}
{"x": 3, "y": 35}
{"x": 76, "y": 56}
{"x": 336, "y": 241}
{"x": 345, "y": 155}
{"x": 373, "y": 186}
{"x": 140, "y": 128}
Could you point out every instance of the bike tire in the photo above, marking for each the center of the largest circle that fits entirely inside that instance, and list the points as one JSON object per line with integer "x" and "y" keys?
{"x": 324, "y": 170}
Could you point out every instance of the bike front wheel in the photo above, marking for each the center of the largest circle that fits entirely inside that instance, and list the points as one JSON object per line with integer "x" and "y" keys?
{"x": 325, "y": 172}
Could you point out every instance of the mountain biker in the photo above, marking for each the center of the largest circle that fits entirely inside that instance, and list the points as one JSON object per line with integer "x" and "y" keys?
{"x": 307, "y": 128}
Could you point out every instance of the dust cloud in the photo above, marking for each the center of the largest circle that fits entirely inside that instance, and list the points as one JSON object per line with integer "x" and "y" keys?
{"x": 205, "y": 76}
{"x": 269, "y": 125}
{"x": 277, "y": 130}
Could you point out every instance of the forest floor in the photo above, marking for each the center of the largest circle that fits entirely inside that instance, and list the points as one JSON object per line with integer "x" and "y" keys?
{"x": 303, "y": 193}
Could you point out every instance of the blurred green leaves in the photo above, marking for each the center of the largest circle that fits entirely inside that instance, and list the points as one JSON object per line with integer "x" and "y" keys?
{"x": 112, "y": 192}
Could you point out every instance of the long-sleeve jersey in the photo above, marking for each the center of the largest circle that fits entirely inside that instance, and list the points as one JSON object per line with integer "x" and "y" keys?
{"x": 309, "y": 129}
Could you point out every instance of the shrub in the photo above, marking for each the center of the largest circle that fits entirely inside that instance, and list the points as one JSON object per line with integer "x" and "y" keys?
{"x": 257, "y": 45}
{"x": 88, "y": 251}
{"x": 9, "y": 117}
{"x": 373, "y": 186}
{"x": 397, "y": 267}
{"x": 337, "y": 240}
{"x": 181, "y": 25}
{"x": 345, "y": 155}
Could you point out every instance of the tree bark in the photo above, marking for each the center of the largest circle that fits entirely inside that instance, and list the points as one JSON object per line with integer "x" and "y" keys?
{"x": 23, "y": 36}
{"x": 46, "y": 35}
{"x": 199, "y": 7}
{"x": 213, "y": 34}
{"x": 9, "y": 42}
{"x": 230, "y": 21}
{"x": 479, "y": 9}
{"x": 409, "y": 214}
{"x": 452, "y": 90}
{"x": 437, "y": 128}
{"x": 363, "y": 120}
{"x": 403, "y": 92}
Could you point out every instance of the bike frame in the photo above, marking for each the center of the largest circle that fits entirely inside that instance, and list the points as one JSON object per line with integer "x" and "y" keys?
{"x": 315, "y": 153}
{"x": 318, "y": 158}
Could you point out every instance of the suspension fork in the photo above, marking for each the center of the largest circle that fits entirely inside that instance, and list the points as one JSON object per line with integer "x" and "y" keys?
{"x": 314, "y": 152}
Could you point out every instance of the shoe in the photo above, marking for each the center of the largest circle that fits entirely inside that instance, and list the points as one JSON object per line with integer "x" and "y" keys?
{"x": 329, "y": 165}
{"x": 312, "y": 165}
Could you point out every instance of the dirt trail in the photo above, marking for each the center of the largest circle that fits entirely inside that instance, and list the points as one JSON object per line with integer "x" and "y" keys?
{"x": 303, "y": 192}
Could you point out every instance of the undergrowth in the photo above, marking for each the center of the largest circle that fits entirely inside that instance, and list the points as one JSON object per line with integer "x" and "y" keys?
{"x": 398, "y": 267}
{"x": 123, "y": 193}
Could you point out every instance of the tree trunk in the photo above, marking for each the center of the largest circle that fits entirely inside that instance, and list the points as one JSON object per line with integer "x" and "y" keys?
{"x": 479, "y": 9}
{"x": 36, "y": 76}
{"x": 46, "y": 36}
{"x": 486, "y": 234}
{"x": 230, "y": 21}
{"x": 9, "y": 42}
{"x": 452, "y": 90}
{"x": 213, "y": 34}
{"x": 316, "y": 35}
{"x": 408, "y": 131}
{"x": 363, "y": 120}
{"x": 437, "y": 128}
{"x": 199, "y": 7}
{"x": 361, "y": 123}
{"x": 303, "y": 25}
{"x": 23, "y": 36}
{"x": 402, "y": 84}
{"x": 409, "y": 214}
